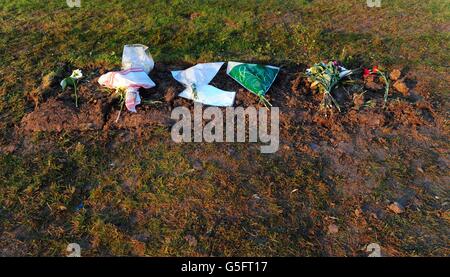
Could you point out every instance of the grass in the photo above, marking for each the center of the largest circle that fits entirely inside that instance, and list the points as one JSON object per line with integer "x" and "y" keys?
{"x": 145, "y": 197}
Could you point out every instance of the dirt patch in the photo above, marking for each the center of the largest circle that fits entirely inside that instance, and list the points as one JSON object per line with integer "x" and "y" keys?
{"x": 58, "y": 115}
{"x": 97, "y": 109}
{"x": 145, "y": 118}
{"x": 346, "y": 140}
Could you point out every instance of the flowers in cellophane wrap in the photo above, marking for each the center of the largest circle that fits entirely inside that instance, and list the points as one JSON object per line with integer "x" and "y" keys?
{"x": 326, "y": 75}
{"x": 378, "y": 72}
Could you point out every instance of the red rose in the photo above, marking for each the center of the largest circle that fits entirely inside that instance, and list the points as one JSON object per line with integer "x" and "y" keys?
{"x": 366, "y": 73}
{"x": 375, "y": 69}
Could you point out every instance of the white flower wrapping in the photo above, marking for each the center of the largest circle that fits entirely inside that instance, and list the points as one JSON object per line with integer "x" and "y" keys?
{"x": 196, "y": 79}
{"x": 131, "y": 80}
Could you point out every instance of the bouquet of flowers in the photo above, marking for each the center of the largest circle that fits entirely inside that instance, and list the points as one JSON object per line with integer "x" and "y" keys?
{"x": 327, "y": 76}
{"x": 255, "y": 78}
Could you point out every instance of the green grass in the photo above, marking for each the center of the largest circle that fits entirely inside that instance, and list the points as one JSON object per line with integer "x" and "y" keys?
{"x": 145, "y": 199}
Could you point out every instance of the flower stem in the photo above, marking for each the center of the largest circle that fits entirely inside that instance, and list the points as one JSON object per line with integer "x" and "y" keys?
{"x": 120, "y": 111}
{"x": 264, "y": 101}
{"x": 76, "y": 96}
{"x": 335, "y": 102}
{"x": 386, "y": 90}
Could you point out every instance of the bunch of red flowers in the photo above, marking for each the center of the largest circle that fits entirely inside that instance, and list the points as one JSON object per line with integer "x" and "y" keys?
{"x": 368, "y": 72}
{"x": 376, "y": 71}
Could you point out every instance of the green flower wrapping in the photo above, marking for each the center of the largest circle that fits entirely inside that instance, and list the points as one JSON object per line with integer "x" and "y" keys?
{"x": 254, "y": 77}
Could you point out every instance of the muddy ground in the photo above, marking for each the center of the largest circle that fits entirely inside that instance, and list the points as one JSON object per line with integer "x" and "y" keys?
{"x": 339, "y": 181}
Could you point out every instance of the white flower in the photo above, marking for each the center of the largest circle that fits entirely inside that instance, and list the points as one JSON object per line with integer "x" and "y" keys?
{"x": 77, "y": 74}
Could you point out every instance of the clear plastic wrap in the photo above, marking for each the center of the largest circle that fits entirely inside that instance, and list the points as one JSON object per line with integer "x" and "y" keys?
{"x": 137, "y": 56}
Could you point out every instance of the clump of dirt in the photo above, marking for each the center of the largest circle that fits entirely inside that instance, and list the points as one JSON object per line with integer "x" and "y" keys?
{"x": 395, "y": 74}
{"x": 58, "y": 115}
{"x": 401, "y": 87}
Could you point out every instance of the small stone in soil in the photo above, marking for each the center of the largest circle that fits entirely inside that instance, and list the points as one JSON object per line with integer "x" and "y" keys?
{"x": 395, "y": 74}
{"x": 396, "y": 208}
{"x": 401, "y": 87}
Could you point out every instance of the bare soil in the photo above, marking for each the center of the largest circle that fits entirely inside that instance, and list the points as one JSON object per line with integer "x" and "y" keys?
{"x": 346, "y": 140}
